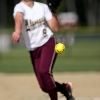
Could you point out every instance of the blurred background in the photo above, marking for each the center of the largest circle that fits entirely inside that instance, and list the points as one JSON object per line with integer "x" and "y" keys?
{"x": 79, "y": 31}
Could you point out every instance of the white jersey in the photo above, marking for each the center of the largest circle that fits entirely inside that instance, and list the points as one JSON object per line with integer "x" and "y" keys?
{"x": 34, "y": 29}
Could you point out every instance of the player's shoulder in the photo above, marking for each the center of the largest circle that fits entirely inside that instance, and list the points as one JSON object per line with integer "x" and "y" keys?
{"x": 18, "y": 5}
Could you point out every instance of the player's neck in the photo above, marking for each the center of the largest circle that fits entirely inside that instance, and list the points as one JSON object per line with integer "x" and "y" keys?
{"x": 29, "y": 3}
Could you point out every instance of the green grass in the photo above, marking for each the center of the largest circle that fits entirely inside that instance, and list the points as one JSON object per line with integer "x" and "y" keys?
{"x": 17, "y": 60}
{"x": 84, "y": 55}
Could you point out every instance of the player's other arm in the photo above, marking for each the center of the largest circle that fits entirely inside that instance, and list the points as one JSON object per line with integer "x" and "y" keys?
{"x": 53, "y": 23}
{"x": 53, "y": 5}
{"x": 18, "y": 27}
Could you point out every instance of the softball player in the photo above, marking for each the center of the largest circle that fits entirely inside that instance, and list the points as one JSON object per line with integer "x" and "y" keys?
{"x": 35, "y": 21}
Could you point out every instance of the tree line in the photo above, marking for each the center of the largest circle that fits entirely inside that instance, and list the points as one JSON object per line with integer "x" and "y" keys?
{"x": 88, "y": 11}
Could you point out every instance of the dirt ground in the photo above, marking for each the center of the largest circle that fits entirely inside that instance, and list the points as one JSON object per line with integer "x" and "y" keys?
{"x": 25, "y": 86}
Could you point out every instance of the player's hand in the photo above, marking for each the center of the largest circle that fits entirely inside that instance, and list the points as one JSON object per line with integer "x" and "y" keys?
{"x": 15, "y": 37}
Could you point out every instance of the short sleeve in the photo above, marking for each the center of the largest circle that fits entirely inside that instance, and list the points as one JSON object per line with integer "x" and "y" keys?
{"x": 48, "y": 14}
{"x": 18, "y": 8}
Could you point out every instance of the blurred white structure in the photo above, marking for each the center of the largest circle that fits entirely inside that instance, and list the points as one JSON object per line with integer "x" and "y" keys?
{"x": 5, "y": 42}
{"x": 68, "y": 19}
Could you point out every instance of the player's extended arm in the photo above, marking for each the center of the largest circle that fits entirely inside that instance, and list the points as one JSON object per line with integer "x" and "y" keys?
{"x": 18, "y": 27}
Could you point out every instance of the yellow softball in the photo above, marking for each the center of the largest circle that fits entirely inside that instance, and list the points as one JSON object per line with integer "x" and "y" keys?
{"x": 59, "y": 48}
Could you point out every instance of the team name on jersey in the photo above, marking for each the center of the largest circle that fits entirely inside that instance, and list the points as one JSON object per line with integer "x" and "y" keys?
{"x": 29, "y": 23}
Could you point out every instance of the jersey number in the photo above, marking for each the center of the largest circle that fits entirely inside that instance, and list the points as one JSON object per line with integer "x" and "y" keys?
{"x": 44, "y": 32}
